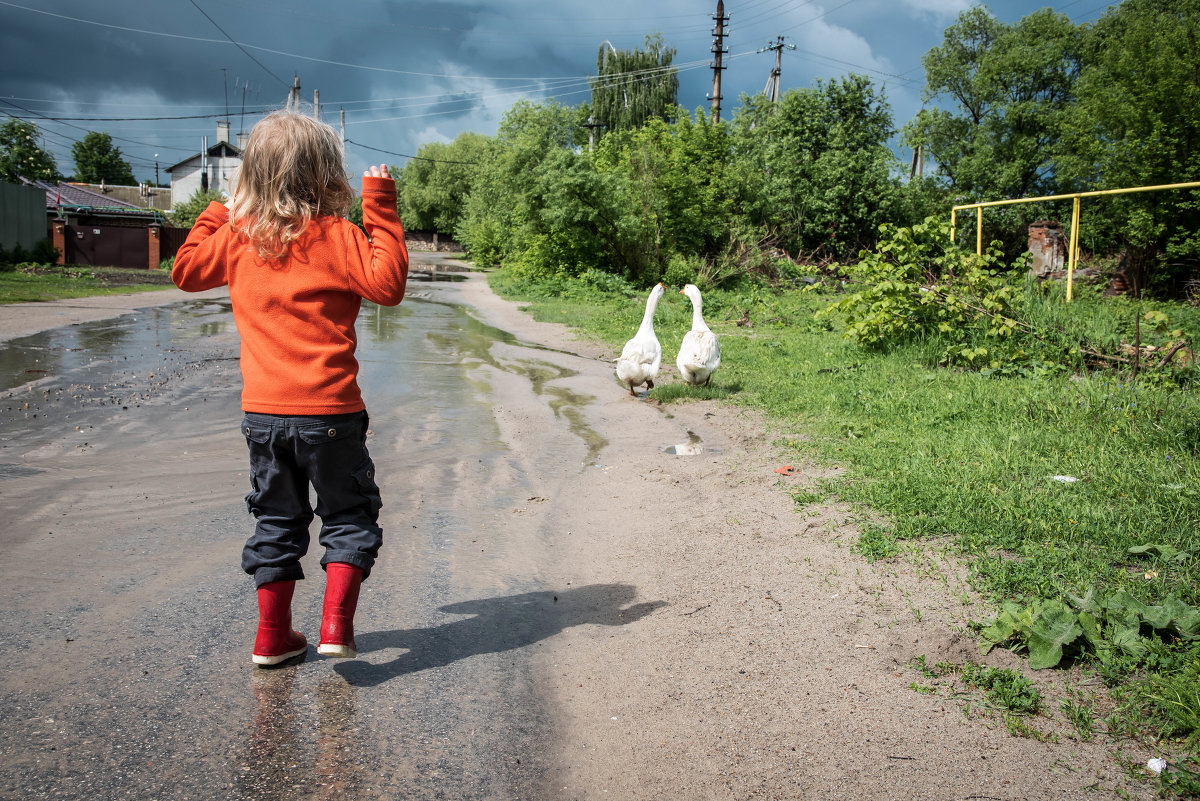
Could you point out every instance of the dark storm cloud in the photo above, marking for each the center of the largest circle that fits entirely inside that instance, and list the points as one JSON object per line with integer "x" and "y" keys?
{"x": 410, "y": 73}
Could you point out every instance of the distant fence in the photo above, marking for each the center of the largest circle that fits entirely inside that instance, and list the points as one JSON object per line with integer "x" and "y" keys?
{"x": 430, "y": 241}
{"x": 1073, "y": 249}
{"x": 22, "y": 215}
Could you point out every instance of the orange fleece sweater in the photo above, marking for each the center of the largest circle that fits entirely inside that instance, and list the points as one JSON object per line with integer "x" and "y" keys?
{"x": 296, "y": 314}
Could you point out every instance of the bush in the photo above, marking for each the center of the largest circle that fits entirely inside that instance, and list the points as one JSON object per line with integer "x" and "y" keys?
{"x": 917, "y": 282}
{"x": 43, "y": 252}
{"x": 682, "y": 270}
{"x": 184, "y": 214}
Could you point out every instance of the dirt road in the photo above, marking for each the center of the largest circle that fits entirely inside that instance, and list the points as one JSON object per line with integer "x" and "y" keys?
{"x": 563, "y": 609}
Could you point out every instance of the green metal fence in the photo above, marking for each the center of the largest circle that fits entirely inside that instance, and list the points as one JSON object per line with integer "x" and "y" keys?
{"x": 22, "y": 215}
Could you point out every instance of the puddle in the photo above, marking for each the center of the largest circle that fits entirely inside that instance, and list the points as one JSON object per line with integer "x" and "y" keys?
{"x": 422, "y": 349}
{"x": 435, "y": 276}
{"x": 456, "y": 340}
{"x": 134, "y": 340}
{"x": 567, "y": 404}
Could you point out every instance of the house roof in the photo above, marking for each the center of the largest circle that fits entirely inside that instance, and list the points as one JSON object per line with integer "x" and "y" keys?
{"x": 64, "y": 194}
{"x": 219, "y": 149}
{"x": 60, "y": 195}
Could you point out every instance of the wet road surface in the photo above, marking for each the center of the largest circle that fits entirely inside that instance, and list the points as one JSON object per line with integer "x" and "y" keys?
{"x": 128, "y": 625}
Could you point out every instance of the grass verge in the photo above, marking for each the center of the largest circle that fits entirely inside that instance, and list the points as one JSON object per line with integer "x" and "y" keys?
{"x": 42, "y": 282}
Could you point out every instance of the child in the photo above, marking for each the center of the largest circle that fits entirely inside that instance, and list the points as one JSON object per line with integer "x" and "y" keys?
{"x": 297, "y": 273}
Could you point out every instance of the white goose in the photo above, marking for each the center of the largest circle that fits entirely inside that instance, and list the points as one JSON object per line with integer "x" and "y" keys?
{"x": 699, "y": 353}
{"x": 642, "y": 355}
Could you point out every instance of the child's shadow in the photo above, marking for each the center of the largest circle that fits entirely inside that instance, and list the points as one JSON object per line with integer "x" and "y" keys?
{"x": 498, "y": 624}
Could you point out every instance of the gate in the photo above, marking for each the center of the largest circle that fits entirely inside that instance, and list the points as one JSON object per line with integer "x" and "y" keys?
{"x": 107, "y": 246}
{"x": 172, "y": 241}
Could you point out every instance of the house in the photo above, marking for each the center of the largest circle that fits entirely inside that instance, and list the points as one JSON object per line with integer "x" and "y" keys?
{"x": 213, "y": 168}
{"x": 90, "y": 228}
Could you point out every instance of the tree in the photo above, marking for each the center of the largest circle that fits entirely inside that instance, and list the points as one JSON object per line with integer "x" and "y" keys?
{"x": 503, "y": 216}
{"x": 1137, "y": 123}
{"x": 1009, "y": 88}
{"x": 20, "y": 156}
{"x": 97, "y": 161}
{"x": 815, "y": 167}
{"x": 676, "y": 194}
{"x": 433, "y": 186}
{"x": 633, "y": 85}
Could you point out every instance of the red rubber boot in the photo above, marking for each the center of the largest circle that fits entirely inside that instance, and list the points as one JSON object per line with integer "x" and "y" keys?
{"x": 342, "y": 582}
{"x": 276, "y": 641}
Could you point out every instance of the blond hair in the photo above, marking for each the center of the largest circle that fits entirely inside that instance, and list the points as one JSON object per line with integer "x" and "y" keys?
{"x": 291, "y": 172}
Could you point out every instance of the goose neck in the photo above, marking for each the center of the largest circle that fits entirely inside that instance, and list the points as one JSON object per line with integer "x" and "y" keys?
{"x": 648, "y": 316}
{"x": 697, "y": 312}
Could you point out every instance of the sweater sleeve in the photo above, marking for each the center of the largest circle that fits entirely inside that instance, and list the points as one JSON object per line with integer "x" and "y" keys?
{"x": 380, "y": 271}
{"x": 200, "y": 263}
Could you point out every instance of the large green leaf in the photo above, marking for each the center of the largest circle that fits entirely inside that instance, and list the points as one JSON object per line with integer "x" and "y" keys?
{"x": 1126, "y": 633}
{"x": 1163, "y": 552}
{"x": 1184, "y": 619}
{"x": 1055, "y": 627}
{"x": 1011, "y": 623}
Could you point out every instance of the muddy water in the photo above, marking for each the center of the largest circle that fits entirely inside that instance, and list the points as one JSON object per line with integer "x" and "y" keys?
{"x": 127, "y": 624}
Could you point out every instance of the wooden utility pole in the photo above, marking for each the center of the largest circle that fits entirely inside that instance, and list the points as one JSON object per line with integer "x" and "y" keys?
{"x": 242, "y": 118}
{"x": 719, "y": 50}
{"x": 316, "y": 104}
{"x": 772, "y": 88}
{"x": 918, "y": 163}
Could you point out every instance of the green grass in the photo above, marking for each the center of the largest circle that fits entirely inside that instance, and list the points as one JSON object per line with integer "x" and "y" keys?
{"x": 54, "y": 282}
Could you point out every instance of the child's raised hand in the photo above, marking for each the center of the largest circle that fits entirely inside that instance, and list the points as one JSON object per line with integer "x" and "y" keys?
{"x": 377, "y": 172}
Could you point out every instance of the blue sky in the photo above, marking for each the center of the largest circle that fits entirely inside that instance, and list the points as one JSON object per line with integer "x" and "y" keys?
{"x": 408, "y": 73}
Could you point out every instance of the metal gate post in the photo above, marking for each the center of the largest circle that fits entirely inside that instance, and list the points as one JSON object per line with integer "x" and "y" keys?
{"x": 1074, "y": 246}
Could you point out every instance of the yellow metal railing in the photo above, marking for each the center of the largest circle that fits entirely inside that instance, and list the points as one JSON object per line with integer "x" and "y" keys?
{"x": 1073, "y": 250}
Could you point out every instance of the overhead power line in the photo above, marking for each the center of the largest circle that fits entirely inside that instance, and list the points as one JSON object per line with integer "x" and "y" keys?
{"x": 80, "y": 128}
{"x": 239, "y": 47}
{"x": 407, "y": 156}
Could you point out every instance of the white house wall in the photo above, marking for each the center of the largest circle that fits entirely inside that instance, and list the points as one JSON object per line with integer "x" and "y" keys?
{"x": 185, "y": 177}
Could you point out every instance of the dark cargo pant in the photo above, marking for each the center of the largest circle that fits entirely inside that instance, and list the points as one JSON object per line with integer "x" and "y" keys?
{"x": 287, "y": 454}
